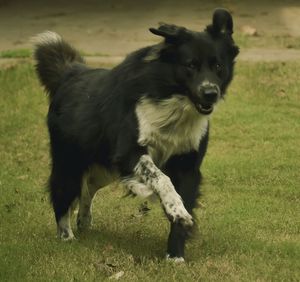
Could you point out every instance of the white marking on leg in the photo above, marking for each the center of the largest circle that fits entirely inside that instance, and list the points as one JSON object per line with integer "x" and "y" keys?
{"x": 148, "y": 174}
{"x": 95, "y": 178}
{"x": 84, "y": 217}
{"x": 175, "y": 259}
{"x": 64, "y": 230}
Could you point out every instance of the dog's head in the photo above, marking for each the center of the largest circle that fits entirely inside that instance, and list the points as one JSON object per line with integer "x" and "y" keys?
{"x": 200, "y": 63}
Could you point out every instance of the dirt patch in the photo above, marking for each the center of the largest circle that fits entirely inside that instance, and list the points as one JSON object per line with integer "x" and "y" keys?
{"x": 115, "y": 28}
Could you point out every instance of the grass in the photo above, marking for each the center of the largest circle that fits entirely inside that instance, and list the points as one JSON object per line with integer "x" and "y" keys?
{"x": 27, "y": 53}
{"x": 284, "y": 41}
{"x": 15, "y": 53}
{"x": 249, "y": 224}
{"x": 263, "y": 41}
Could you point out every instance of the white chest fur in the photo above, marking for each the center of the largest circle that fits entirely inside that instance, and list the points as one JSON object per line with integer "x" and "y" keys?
{"x": 169, "y": 127}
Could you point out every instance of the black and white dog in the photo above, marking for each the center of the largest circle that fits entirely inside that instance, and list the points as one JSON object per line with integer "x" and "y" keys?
{"x": 145, "y": 122}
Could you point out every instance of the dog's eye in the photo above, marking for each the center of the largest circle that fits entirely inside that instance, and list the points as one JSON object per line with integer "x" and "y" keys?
{"x": 218, "y": 67}
{"x": 191, "y": 65}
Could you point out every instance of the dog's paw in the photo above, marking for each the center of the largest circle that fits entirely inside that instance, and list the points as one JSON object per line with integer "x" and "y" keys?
{"x": 65, "y": 234}
{"x": 137, "y": 188}
{"x": 175, "y": 259}
{"x": 84, "y": 222}
{"x": 176, "y": 211}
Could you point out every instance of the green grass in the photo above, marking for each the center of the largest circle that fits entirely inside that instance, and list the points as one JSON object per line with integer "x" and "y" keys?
{"x": 284, "y": 41}
{"x": 16, "y": 53}
{"x": 249, "y": 221}
{"x": 27, "y": 53}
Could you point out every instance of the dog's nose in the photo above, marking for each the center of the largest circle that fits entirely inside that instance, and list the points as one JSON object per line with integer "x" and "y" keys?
{"x": 210, "y": 95}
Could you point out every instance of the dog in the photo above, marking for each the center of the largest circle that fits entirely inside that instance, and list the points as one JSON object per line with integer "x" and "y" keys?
{"x": 144, "y": 122}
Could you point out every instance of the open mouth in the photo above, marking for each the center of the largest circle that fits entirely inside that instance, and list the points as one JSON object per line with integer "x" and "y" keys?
{"x": 204, "y": 109}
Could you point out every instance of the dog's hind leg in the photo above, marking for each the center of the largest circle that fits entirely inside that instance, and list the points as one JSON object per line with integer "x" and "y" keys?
{"x": 65, "y": 189}
{"x": 95, "y": 178}
{"x": 64, "y": 230}
{"x": 84, "y": 217}
{"x": 88, "y": 191}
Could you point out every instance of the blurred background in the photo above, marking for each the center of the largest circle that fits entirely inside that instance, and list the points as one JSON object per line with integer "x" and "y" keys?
{"x": 117, "y": 27}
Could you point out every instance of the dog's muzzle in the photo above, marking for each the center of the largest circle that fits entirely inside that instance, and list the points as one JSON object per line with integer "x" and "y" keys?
{"x": 207, "y": 96}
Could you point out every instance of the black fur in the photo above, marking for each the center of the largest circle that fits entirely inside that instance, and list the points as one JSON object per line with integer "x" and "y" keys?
{"x": 92, "y": 117}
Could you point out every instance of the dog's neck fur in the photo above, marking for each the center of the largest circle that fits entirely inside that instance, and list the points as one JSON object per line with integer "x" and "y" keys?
{"x": 169, "y": 127}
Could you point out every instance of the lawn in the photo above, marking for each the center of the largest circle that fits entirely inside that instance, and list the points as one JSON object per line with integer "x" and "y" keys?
{"x": 248, "y": 216}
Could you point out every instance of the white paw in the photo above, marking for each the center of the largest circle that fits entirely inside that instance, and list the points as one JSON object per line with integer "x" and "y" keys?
{"x": 138, "y": 188}
{"x": 65, "y": 234}
{"x": 176, "y": 211}
{"x": 175, "y": 259}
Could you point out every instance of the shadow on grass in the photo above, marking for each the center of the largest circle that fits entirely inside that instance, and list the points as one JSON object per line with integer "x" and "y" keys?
{"x": 148, "y": 246}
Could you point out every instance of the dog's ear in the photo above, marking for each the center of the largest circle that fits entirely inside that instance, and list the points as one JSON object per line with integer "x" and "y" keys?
{"x": 222, "y": 23}
{"x": 171, "y": 33}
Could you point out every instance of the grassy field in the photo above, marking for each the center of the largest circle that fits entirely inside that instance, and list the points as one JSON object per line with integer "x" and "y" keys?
{"x": 249, "y": 215}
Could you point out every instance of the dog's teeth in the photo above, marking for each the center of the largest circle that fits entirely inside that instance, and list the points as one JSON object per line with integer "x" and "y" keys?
{"x": 203, "y": 110}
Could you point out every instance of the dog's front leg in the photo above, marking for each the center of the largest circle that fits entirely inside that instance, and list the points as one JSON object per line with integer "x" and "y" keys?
{"x": 150, "y": 175}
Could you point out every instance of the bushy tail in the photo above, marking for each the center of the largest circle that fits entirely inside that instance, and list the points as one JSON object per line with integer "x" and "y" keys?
{"x": 53, "y": 57}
